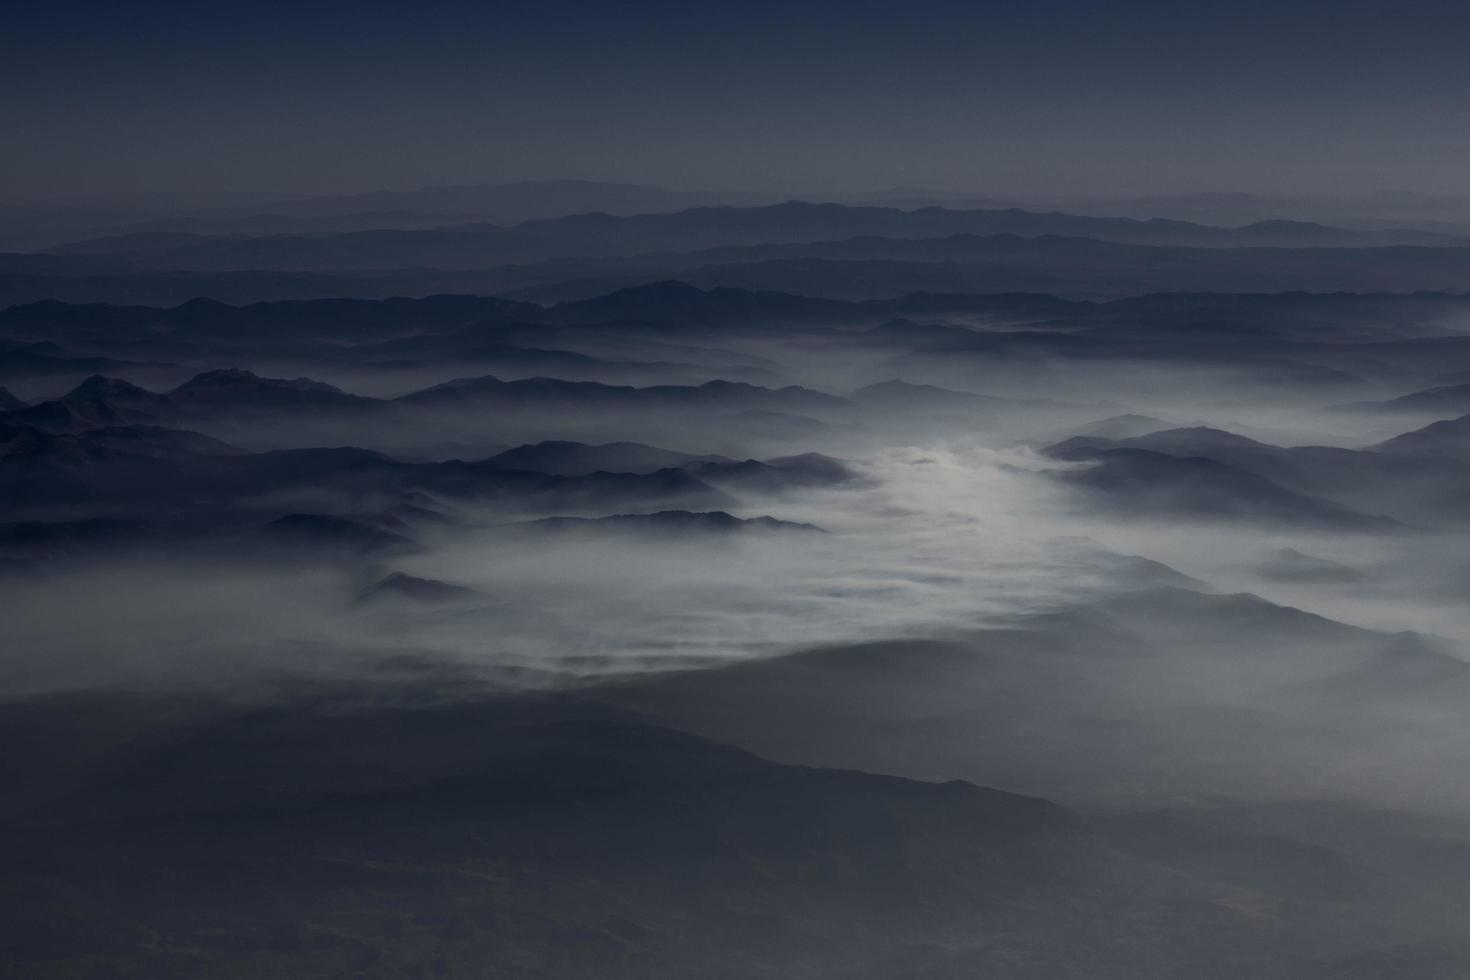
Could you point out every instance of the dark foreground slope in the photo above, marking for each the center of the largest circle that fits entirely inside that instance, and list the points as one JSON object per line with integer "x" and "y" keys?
{"x": 342, "y": 836}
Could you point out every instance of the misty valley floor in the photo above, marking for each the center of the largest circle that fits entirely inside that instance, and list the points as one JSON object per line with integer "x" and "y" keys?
{"x": 669, "y": 632}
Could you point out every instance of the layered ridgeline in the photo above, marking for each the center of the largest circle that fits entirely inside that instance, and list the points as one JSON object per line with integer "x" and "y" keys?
{"x": 600, "y": 234}
{"x": 840, "y": 250}
{"x": 42, "y": 226}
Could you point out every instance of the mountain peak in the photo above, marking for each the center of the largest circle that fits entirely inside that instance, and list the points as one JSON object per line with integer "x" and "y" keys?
{"x": 239, "y": 379}
{"x": 99, "y": 386}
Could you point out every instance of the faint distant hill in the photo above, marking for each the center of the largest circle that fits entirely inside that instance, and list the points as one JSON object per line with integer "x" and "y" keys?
{"x": 605, "y": 234}
{"x": 1144, "y": 483}
{"x": 39, "y": 224}
{"x": 858, "y": 268}
{"x": 1076, "y": 268}
{"x": 510, "y": 203}
{"x": 82, "y": 282}
{"x": 44, "y": 224}
{"x": 1447, "y": 401}
{"x": 1127, "y": 426}
{"x": 276, "y": 223}
{"x": 1409, "y": 478}
{"x": 410, "y": 588}
{"x": 1382, "y": 209}
{"x": 1449, "y": 438}
{"x": 42, "y": 359}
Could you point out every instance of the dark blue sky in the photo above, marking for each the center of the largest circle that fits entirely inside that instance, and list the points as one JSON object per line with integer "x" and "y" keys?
{"x": 998, "y": 97}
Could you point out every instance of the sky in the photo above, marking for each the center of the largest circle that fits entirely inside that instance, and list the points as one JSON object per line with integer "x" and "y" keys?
{"x": 1067, "y": 97}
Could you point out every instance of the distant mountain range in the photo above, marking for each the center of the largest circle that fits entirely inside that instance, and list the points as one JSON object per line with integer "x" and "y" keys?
{"x": 468, "y": 246}
{"x": 512, "y": 263}
{"x": 49, "y": 223}
{"x": 41, "y": 224}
